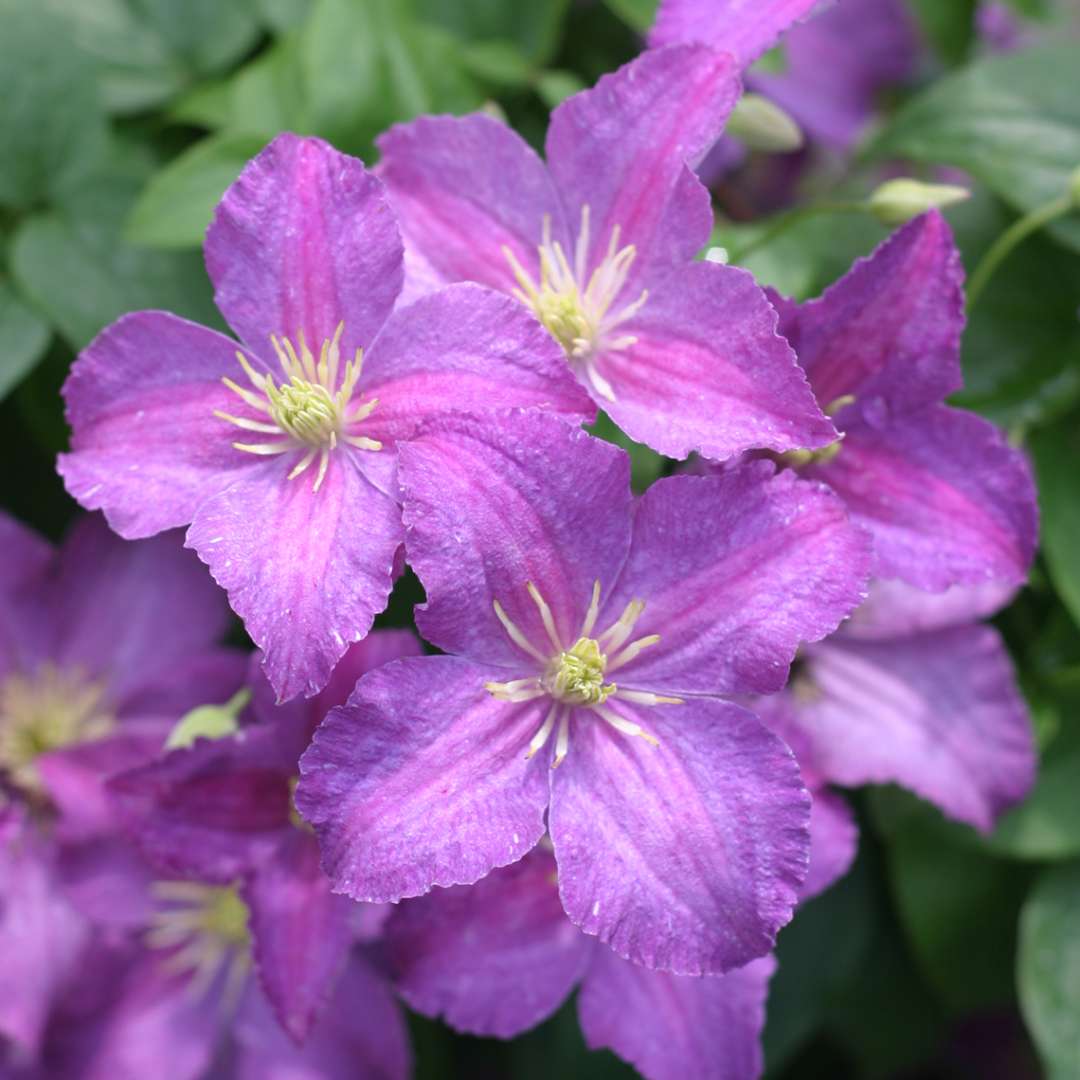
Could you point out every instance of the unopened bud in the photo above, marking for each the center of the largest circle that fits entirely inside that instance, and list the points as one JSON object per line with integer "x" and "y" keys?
{"x": 897, "y": 201}
{"x": 718, "y": 255}
{"x": 208, "y": 722}
{"x": 760, "y": 124}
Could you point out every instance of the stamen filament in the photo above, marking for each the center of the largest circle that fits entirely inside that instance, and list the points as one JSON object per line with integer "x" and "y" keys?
{"x": 545, "y": 615}
{"x": 539, "y": 740}
{"x": 516, "y": 636}
{"x": 643, "y": 697}
{"x": 624, "y": 726}
{"x": 562, "y": 741}
{"x": 631, "y": 651}
{"x": 593, "y": 612}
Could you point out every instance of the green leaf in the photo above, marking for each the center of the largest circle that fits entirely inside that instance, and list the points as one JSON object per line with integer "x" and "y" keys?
{"x": 637, "y": 14}
{"x": 1056, "y": 450}
{"x": 498, "y": 62}
{"x": 282, "y": 15}
{"x": 1048, "y": 968}
{"x": 1046, "y": 825}
{"x": 949, "y": 27}
{"x": 176, "y": 206}
{"x": 532, "y": 27}
{"x": 25, "y": 337}
{"x": 556, "y": 85}
{"x": 368, "y": 64}
{"x": 76, "y": 269}
{"x": 1013, "y": 122}
{"x": 52, "y": 128}
{"x": 957, "y": 903}
{"x": 150, "y": 50}
{"x": 645, "y": 463}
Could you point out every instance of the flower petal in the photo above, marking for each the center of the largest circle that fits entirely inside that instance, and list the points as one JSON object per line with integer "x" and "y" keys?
{"x": 129, "y": 613}
{"x": 493, "y": 503}
{"x": 305, "y": 239}
{"x": 213, "y": 811}
{"x": 465, "y": 349}
{"x": 622, "y": 147}
{"x": 895, "y": 609}
{"x": 670, "y": 1027}
{"x": 25, "y": 627}
{"x": 944, "y": 496}
{"x": 306, "y": 570}
{"x": 834, "y": 840}
{"x": 708, "y": 372}
{"x": 146, "y": 446}
{"x": 465, "y": 187}
{"x": 745, "y": 28}
{"x": 494, "y": 958}
{"x": 888, "y": 332}
{"x": 686, "y": 856}
{"x": 421, "y": 780}
{"x": 736, "y": 570}
{"x": 301, "y": 932}
{"x": 938, "y": 713}
{"x": 361, "y": 1035}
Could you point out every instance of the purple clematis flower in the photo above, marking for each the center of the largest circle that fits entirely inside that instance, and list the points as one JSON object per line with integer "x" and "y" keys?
{"x": 104, "y": 645}
{"x": 946, "y": 499}
{"x": 744, "y": 28}
{"x": 281, "y": 453}
{"x": 599, "y": 243}
{"x": 914, "y": 691}
{"x": 219, "y": 812}
{"x": 595, "y": 637}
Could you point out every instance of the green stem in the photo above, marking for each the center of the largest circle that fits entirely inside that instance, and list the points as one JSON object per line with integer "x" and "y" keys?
{"x": 790, "y": 219}
{"x": 1016, "y": 233}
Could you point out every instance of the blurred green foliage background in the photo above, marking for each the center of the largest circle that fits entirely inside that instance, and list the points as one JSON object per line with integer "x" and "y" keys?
{"x": 943, "y": 953}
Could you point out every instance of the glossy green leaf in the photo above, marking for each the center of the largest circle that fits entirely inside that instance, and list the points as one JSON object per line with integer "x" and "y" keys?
{"x": 637, "y": 14}
{"x": 1048, "y": 968}
{"x": 532, "y": 27}
{"x": 25, "y": 336}
{"x": 1013, "y": 122}
{"x": 52, "y": 128}
{"x": 1056, "y": 450}
{"x": 176, "y": 206}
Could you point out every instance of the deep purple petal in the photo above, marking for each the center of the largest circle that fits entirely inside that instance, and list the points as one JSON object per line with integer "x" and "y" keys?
{"x": 305, "y": 239}
{"x": 944, "y": 496}
{"x": 465, "y": 187}
{"x": 895, "y": 609}
{"x": 129, "y": 613}
{"x": 671, "y": 1027}
{"x": 25, "y": 629}
{"x": 736, "y": 570}
{"x": 621, "y": 148}
{"x": 109, "y": 883}
{"x": 306, "y": 570}
{"x": 212, "y": 811}
{"x": 493, "y": 503}
{"x": 834, "y": 839}
{"x": 202, "y": 678}
{"x": 494, "y": 958}
{"x": 745, "y": 28}
{"x": 465, "y": 349}
{"x": 360, "y": 1036}
{"x": 41, "y": 935}
{"x": 146, "y": 446}
{"x": 938, "y": 713}
{"x": 888, "y": 332}
{"x": 27, "y": 556}
{"x": 687, "y": 856}
{"x": 708, "y": 372}
{"x": 300, "y": 931}
{"x": 422, "y": 780}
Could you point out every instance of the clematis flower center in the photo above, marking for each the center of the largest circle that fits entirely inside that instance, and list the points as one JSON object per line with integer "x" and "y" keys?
{"x": 580, "y": 309}
{"x": 311, "y": 411}
{"x": 45, "y": 711}
{"x": 573, "y": 678}
{"x": 204, "y": 928}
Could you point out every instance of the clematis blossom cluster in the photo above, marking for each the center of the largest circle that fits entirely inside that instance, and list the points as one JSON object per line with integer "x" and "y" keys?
{"x": 610, "y": 756}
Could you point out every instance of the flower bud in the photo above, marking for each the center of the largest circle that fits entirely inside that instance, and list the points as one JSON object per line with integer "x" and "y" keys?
{"x": 762, "y": 125}
{"x": 208, "y": 722}
{"x": 897, "y": 201}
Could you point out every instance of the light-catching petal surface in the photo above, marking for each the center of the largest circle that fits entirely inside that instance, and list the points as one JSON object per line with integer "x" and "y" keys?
{"x": 493, "y": 503}
{"x": 146, "y": 446}
{"x": 938, "y": 713}
{"x": 421, "y": 780}
{"x": 306, "y": 570}
{"x": 944, "y": 496}
{"x": 709, "y": 373}
{"x": 745, "y": 28}
{"x": 736, "y": 570}
{"x": 305, "y": 239}
{"x": 687, "y": 856}
{"x": 465, "y": 349}
{"x": 671, "y": 1027}
{"x": 494, "y": 958}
